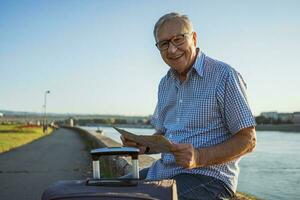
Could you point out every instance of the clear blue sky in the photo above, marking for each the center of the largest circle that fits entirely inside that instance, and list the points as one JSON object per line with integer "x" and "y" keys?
{"x": 99, "y": 56}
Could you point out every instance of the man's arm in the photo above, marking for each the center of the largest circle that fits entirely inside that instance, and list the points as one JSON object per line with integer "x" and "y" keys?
{"x": 241, "y": 143}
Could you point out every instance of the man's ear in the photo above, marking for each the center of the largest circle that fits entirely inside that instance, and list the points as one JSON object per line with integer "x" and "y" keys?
{"x": 195, "y": 38}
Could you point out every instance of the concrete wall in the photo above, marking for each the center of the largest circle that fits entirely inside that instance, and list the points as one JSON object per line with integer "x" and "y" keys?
{"x": 112, "y": 165}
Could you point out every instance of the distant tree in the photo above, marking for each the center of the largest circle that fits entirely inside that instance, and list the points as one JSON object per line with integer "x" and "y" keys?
{"x": 111, "y": 120}
{"x": 100, "y": 121}
{"x": 120, "y": 121}
{"x": 278, "y": 121}
{"x": 140, "y": 121}
{"x": 262, "y": 120}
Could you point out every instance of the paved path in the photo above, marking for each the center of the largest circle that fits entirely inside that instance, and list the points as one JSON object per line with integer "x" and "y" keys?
{"x": 26, "y": 171}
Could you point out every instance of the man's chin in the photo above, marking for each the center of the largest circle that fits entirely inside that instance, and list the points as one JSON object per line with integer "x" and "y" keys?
{"x": 178, "y": 69}
{"x": 177, "y": 65}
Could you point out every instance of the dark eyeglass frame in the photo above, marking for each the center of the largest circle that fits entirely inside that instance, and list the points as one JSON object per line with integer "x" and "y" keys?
{"x": 172, "y": 41}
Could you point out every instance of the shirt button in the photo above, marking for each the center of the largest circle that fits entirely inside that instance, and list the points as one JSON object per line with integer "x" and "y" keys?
{"x": 178, "y": 119}
{"x": 180, "y": 101}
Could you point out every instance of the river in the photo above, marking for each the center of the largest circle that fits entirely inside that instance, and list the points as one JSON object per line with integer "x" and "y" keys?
{"x": 272, "y": 171}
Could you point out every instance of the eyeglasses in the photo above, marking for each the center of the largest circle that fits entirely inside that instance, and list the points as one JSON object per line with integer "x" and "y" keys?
{"x": 176, "y": 41}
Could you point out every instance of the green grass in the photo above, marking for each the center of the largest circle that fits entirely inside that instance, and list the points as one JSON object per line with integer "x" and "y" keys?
{"x": 12, "y": 136}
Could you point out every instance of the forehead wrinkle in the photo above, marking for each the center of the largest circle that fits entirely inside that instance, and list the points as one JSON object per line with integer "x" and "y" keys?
{"x": 175, "y": 21}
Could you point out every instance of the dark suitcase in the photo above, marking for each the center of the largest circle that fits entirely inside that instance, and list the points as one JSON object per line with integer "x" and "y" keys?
{"x": 117, "y": 189}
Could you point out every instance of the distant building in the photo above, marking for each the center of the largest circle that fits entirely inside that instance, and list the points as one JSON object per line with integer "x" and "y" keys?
{"x": 111, "y": 120}
{"x": 296, "y": 117}
{"x": 71, "y": 122}
{"x": 286, "y": 117}
{"x": 1, "y": 115}
{"x": 270, "y": 115}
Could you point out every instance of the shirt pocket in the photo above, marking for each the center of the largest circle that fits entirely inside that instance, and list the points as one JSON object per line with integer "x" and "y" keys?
{"x": 201, "y": 112}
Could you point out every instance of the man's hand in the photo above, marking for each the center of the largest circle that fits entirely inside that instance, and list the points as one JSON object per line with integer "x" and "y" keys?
{"x": 185, "y": 155}
{"x": 239, "y": 144}
{"x": 130, "y": 143}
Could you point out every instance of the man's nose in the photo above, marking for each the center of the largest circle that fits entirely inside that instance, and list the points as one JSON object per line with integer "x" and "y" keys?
{"x": 172, "y": 48}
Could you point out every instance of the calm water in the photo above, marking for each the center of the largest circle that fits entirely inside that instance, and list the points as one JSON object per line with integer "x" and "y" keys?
{"x": 271, "y": 172}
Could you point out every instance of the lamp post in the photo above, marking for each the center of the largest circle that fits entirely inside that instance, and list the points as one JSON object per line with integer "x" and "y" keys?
{"x": 45, "y": 111}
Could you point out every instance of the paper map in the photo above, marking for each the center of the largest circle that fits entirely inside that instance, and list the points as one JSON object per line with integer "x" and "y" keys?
{"x": 158, "y": 143}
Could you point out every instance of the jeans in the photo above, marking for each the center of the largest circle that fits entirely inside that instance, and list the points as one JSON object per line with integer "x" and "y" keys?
{"x": 197, "y": 186}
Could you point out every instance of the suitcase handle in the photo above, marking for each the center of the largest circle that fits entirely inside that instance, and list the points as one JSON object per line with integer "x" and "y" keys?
{"x": 109, "y": 151}
{"x": 112, "y": 182}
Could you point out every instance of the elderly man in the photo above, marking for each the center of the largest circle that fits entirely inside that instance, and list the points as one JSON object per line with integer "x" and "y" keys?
{"x": 203, "y": 110}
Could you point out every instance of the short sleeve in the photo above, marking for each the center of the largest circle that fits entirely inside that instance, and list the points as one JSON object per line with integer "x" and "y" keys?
{"x": 233, "y": 103}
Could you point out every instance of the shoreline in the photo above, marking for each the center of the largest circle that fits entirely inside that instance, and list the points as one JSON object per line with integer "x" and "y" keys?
{"x": 292, "y": 128}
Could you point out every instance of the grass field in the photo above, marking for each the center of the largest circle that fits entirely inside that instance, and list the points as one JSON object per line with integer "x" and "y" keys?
{"x": 12, "y": 136}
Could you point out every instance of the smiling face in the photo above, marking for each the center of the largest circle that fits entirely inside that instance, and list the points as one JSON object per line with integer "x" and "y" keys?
{"x": 181, "y": 57}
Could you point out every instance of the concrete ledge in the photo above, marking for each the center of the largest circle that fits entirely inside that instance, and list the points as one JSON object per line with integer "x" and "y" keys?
{"x": 118, "y": 165}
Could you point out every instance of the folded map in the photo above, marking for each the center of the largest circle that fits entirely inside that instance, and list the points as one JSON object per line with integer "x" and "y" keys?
{"x": 157, "y": 143}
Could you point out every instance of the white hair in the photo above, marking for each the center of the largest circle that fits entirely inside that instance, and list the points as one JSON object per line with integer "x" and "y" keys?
{"x": 183, "y": 19}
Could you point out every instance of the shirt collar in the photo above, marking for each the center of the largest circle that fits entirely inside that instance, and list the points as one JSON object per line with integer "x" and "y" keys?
{"x": 198, "y": 65}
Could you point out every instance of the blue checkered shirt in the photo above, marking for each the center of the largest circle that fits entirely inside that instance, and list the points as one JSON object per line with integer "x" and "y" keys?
{"x": 208, "y": 108}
